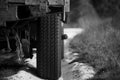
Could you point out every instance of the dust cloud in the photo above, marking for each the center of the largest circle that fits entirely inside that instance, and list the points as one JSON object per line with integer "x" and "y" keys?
{"x": 82, "y": 15}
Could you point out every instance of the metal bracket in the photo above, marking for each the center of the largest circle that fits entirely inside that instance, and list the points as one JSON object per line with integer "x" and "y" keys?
{"x": 35, "y": 2}
{"x": 41, "y": 4}
{"x": 56, "y": 2}
{"x": 67, "y": 5}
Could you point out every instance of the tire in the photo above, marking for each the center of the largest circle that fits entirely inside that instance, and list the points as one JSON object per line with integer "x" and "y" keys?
{"x": 49, "y": 47}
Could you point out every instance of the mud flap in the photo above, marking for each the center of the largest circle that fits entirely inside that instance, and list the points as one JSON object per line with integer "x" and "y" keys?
{"x": 49, "y": 47}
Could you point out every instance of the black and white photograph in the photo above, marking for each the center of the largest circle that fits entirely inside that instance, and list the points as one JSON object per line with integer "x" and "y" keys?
{"x": 59, "y": 39}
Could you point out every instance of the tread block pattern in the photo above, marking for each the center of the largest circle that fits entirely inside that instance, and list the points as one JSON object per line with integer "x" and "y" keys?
{"x": 49, "y": 47}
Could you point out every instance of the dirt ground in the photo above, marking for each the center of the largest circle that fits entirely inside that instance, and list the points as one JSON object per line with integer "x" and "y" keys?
{"x": 29, "y": 73}
{"x": 75, "y": 71}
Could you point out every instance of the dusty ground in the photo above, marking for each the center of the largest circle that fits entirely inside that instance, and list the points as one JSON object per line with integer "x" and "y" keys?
{"x": 26, "y": 73}
{"x": 69, "y": 71}
{"x": 22, "y": 72}
{"x": 75, "y": 71}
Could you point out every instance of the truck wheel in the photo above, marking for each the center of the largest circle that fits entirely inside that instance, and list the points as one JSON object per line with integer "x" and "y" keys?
{"x": 49, "y": 47}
